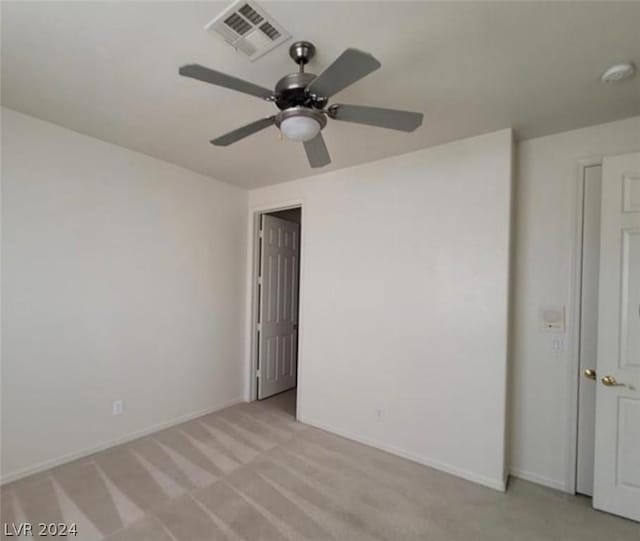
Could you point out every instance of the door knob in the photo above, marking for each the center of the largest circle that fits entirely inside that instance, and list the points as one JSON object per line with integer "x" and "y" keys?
{"x": 610, "y": 381}
{"x": 589, "y": 373}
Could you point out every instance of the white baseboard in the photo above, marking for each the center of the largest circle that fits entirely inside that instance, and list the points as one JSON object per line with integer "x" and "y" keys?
{"x": 50, "y": 463}
{"x": 538, "y": 479}
{"x": 496, "y": 484}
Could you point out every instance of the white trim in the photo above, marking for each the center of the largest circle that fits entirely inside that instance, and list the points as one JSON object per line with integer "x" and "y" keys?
{"x": 50, "y": 463}
{"x": 538, "y": 479}
{"x": 574, "y": 330}
{"x": 496, "y": 484}
{"x": 251, "y": 391}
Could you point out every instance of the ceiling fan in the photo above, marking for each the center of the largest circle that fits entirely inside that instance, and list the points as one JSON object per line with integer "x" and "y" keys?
{"x": 302, "y": 99}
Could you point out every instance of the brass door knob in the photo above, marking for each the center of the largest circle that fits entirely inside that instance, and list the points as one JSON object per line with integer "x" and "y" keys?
{"x": 610, "y": 381}
{"x": 589, "y": 373}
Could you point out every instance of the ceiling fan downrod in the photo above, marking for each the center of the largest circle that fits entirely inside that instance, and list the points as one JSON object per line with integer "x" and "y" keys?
{"x": 302, "y": 52}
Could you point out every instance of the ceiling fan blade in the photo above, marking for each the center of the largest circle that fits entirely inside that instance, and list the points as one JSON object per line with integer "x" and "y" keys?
{"x": 240, "y": 133}
{"x": 317, "y": 152}
{"x": 351, "y": 66}
{"x": 196, "y": 71}
{"x": 376, "y": 116}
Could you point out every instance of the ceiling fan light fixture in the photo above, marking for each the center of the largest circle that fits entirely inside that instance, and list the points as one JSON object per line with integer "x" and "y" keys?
{"x": 300, "y": 123}
{"x": 300, "y": 128}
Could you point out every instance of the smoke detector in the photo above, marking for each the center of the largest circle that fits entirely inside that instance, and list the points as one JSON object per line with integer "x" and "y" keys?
{"x": 618, "y": 73}
{"x": 249, "y": 29}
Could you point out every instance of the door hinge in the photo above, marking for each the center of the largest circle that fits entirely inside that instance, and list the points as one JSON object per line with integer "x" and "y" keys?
{"x": 259, "y": 280}
{"x": 259, "y": 326}
{"x": 258, "y": 373}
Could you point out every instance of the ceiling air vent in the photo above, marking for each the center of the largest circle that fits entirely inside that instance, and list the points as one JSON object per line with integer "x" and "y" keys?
{"x": 248, "y": 28}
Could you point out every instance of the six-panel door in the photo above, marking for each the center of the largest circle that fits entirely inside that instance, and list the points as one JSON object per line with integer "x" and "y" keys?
{"x": 278, "y": 306}
{"x": 617, "y": 448}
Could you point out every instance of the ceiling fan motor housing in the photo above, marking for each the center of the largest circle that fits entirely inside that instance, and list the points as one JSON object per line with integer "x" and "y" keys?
{"x": 291, "y": 91}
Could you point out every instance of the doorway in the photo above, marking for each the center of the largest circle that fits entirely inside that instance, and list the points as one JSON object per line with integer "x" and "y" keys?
{"x": 588, "y": 322}
{"x": 608, "y": 345}
{"x": 276, "y": 288}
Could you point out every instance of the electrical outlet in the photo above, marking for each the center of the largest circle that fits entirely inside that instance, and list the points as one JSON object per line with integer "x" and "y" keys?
{"x": 117, "y": 408}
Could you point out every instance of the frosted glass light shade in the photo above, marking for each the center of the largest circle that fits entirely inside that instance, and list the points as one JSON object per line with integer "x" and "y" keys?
{"x": 300, "y": 128}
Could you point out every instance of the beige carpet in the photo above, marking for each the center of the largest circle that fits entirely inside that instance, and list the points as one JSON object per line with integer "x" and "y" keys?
{"x": 252, "y": 472}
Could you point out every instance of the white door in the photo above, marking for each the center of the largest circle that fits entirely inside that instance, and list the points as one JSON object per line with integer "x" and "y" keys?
{"x": 617, "y": 449}
{"x": 588, "y": 327}
{"x": 278, "y": 306}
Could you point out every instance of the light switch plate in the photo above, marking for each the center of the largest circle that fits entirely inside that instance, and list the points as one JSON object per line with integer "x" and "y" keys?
{"x": 557, "y": 344}
{"x": 117, "y": 407}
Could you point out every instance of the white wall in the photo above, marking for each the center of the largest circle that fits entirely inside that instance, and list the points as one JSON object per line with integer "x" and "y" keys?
{"x": 404, "y": 292}
{"x": 543, "y": 381}
{"x": 123, "y": 278}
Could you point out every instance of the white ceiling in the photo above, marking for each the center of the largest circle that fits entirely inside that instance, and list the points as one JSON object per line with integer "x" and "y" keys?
{"x": 110, "y": 70}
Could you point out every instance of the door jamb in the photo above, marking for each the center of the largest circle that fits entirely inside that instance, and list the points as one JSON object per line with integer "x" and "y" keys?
{"x": 574, "y": 321}
{"x": 251, "y": 387}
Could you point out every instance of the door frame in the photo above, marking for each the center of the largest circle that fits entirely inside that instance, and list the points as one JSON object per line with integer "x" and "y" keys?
{"x": 253, "y": 270}
{"x": 575, "y": 305}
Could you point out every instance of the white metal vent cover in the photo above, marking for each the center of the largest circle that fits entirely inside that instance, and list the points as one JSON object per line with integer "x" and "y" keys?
{"x": 248, "y": 28}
